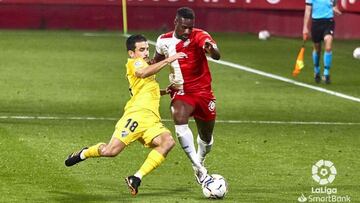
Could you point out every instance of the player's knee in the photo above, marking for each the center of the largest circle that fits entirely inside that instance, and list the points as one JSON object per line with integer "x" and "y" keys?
{"x": 171, "y": 143}
{"x": 328, "y": 49}
{"x": 180, "y": 115}
{"x": 168, "y": 142}
{"x": 328, "y": 38}
{"x": 180, "y": 119}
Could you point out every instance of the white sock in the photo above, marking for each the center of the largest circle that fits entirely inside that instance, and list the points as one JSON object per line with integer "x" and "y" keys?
{"x": 138, "y": 174}
{"x": 186, "y": 140}
{"x": 82, "y": 155}
{"x": 203, "y": 148}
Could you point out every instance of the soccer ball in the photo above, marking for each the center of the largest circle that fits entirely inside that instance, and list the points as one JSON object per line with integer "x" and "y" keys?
{"x": 215, "y": 188}
{"x": 264, "y": 35}
{"x": 356, "y": 53}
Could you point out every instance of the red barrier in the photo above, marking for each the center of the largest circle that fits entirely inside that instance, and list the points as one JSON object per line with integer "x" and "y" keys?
{"x": 280, "y": 17}
{"x": 63, "y": 2}
{"x": 350, "y": 5}
{"x": 346, "y": 5}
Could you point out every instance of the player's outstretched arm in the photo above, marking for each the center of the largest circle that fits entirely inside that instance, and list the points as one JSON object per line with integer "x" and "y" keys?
{"x": 155, "y": 68}
{"x": 212, "y": 49}
{"x": 158, "y": 57}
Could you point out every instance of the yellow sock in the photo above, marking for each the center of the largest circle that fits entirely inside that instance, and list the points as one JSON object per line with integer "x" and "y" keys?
{"x": 153, "y": 160}
{"x": 93, "y": 151}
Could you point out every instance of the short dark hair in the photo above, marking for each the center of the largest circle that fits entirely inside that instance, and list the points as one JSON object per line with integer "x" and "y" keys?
{"x": 185, "y": 12}
{"x": 130, "y": 42}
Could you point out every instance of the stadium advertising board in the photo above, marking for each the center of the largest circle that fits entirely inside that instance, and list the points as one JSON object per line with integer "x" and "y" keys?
{"x": 347, "y": 5}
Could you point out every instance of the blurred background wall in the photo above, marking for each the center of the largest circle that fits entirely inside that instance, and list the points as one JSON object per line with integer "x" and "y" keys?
{"x": 280, "y": 17}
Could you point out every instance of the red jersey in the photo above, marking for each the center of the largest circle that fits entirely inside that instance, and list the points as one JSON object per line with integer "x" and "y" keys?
{"x": 190, "y": 74}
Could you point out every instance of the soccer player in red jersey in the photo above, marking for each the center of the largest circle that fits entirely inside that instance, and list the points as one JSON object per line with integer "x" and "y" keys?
{"x": 192, "y": 95}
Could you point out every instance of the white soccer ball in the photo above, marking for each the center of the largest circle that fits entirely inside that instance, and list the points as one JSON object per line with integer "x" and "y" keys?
{"x": 264, "y": 35}
{"x": 215, "y": 188}
{"x": 356, "y": 53}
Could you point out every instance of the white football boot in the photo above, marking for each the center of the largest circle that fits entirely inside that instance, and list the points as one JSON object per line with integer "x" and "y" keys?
{"x": 201, "y": 174}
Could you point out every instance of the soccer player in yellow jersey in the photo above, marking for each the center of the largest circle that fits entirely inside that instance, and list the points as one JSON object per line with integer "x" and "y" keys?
{"x": 141, "y": 118}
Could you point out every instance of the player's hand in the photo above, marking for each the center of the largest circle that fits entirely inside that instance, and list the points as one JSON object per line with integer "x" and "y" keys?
{"x": 208, "y": 45}
{"x": 178, "y": 55}
{"x": 169, "y": 88}
{"x": 305, "y": 36}
{"x": 305, "y": 33}
{"x": 152, "y": 61}
{"x": 211, "y": 48}
{"x": 337, "y": 11}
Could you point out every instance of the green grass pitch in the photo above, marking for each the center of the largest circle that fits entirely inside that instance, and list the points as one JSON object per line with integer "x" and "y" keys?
{"x": 70, "y": 74}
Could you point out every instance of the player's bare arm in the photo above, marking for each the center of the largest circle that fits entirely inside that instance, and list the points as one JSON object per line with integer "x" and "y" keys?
{"x": 212, "y": 49}
{"x": 336, "y": 9}
{"x": 155, "y": 68}
{"x": 158, "y": 57}
{"x": 306, "y": 27}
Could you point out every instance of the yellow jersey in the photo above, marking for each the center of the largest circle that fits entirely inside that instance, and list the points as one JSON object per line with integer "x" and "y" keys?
{"x": 145, "y": 92}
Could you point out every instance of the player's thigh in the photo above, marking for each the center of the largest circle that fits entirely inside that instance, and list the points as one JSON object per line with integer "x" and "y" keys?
{"x": 163, "y": 143}
{"x": 182, "y": 107}
{"x": 329, "y": 32}
{"x": 162, "y": 139}
{"x": 131, "y": 127}
{"x": 205, "y": 108}
{"x": 329, "y": 27}
{"x": 156, "y": 135}
{"x": 205, "y": 115}
{"x": 317, "y": 31}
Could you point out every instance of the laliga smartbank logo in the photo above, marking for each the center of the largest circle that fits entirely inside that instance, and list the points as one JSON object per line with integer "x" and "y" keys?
{"x": 324, "y": 173}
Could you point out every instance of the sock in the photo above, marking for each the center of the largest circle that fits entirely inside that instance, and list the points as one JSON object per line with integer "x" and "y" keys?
{"x": 153, "y": 160}
{"x": 316, "y": 61}
{"x": 203, "y": 148}
{"x": 186, "y": 140}
{"x": 327, "y": 62}
{"x": 92, "y": 151}
{"x": 138, "y": 174}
